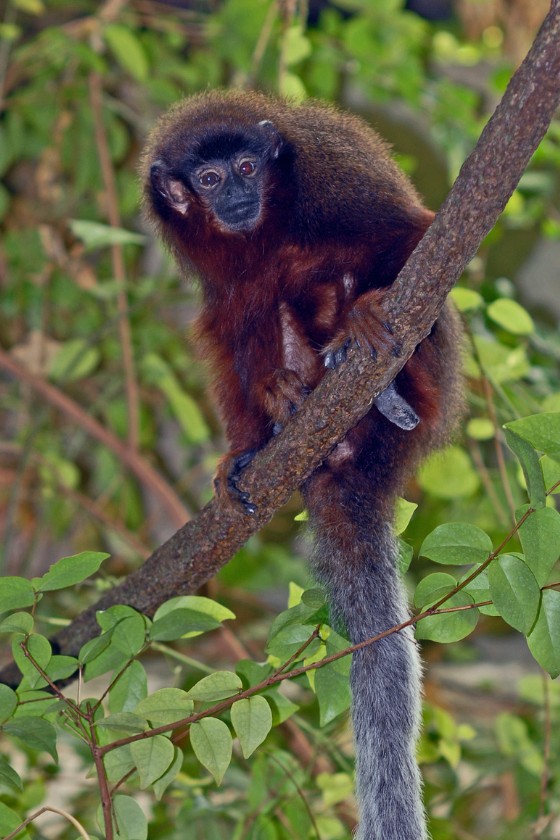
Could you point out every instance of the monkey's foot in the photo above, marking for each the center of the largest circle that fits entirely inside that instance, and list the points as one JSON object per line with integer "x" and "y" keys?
{"x": 284, "y": 394}
{"x": 363, "y": 327}
{"x": 227, "y": 477}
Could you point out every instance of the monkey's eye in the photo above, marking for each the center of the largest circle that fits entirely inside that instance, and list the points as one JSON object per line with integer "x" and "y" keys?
{"x": 247, "y": 168}
{"x": 209, "y": 178}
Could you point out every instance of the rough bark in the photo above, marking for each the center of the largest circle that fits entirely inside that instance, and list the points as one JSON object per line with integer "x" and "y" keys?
{"x": 201, "y": 547}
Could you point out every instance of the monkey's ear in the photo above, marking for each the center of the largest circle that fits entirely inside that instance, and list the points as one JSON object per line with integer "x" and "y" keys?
{"x": 274, "y": 137}
{"x": 173, "y": 190}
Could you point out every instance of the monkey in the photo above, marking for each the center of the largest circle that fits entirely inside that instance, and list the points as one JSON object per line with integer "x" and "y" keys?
{"x": 296, "y": 220}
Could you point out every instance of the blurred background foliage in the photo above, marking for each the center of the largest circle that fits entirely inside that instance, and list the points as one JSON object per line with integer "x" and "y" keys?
{"x": 107, "y": 438}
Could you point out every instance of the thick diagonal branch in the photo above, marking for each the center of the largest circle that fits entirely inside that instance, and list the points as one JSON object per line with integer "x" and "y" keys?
{"x": 198, "y": 550}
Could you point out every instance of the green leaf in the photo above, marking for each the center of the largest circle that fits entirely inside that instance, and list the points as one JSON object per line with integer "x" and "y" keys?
{"x": 69, "y": 571}
{"x": 161, "y": 784}
{"x": 449, "y": 627}
{"x": 9, "y": 821}
{"x": 292, "y": 87}
{"x": 406, "y": 553}
{"x": 212, "y": 744}
{"x": 515, "y": 591}
{"x": 34, "y": 703}
{"x": 181, "y": 622}
{"x": 30, "y": 7}
{"x": 128, "y": 50}
{"x": 449, "y": 474}
{"x": 61, "y": 667}
{"x": 129, "y": 819}
{"x": 9, "y": 779}
{"x": 290, "y": 639}
{"x": 196, "y": 603}
{"x": 216, "y": 687}
{"x": 126, "y": 631}
{"x": 511, "y": 316}
{"x": 335, "y": 787}
{"x": 128, "y": 626}
{"x": 542, "y": 431}
{"x": 551, "y": 473}
{"x": 433, "y": 588}
{"x": 74, "y": 360}
{"x": 152, "y": 757}
{"x": 184, "y": 408}
{"x": 118, "y": 762}
{"x": 479, "y": 588}
{"x": 295, "y": 45}
{"x": 530, "y": 464}
{"x": 252, "y": 721}
{"x": 281, "y": 707}
{"x": 333, "y": 692}
{"x": 313, "y": 598}
{"x": 94, "y": 648}
{"x": 39, "y": 648}
{"x": 19, "y": 622}
{"x": 37, "y": 734}
{"x": 457, "y": 544}
{"x": 95, "y": 235}
{"x": 130, "y": 689}
{"x": 403, "y": 514}
{"x": 167, "y": 705}
{"x": 16, "y": 593}
{"x": 8, "y": 702}
{"x": 540, "y": 538}
{"x": 119, "y": 725}
{"x": 516, "y": 741}
{"x": 466, "y": 299}
{"x": 480, "y": 428}
{"x": 263, "y": 828}
{"x": 500, "y": 363}
{"x": 544, "y": 639}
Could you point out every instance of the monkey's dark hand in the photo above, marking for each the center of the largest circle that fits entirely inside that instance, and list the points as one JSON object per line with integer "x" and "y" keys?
{"x": 227, "y": 477}
{"x": 283, "y": 394}
{"x": 364, "y": 326}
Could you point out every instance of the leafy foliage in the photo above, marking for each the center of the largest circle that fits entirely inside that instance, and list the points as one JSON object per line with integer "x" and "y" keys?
{"x": 120, "y": 447}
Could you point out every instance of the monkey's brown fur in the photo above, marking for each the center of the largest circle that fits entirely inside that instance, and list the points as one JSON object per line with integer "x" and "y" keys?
{"x": 293, "y": 262}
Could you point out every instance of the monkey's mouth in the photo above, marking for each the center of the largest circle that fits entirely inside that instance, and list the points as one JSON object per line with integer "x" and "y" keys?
{"x": 242, "y": 216}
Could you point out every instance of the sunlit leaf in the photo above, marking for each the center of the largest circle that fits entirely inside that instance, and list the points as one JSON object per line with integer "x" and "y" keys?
{"x": 511, "y": 316}
{"x": 544, "y": 639}
{"x": 69, "y": 571}
{"x": 212, "y": 744}
{"x": 216, "y": 687}
{"x": 515, "y": 591}
{"x": 252, "y": 721}
{"x": 152, "y": 756}
{"x": 457, "y": 544}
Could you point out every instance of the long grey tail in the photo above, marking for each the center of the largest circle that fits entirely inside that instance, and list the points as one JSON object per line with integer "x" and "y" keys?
{"x": 357, "y": 565}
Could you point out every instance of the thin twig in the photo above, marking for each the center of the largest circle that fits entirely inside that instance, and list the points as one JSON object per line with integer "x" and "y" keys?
{"x": 146, "y": 474}
{"x": 46, "y": 809}
{"x": 117, "y": 257}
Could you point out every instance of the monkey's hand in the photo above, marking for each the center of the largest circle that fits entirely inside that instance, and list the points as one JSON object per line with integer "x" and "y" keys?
{"x": 363, "y": 326}
{"x": 230, "y": 469}
{"x": 283, "y": 394}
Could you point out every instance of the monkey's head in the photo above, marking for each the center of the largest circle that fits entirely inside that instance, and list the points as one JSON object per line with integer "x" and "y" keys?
{"x": 220, "y": 170}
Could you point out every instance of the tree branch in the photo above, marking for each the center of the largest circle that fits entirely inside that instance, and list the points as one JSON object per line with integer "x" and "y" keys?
{"x": 201, "y": 547}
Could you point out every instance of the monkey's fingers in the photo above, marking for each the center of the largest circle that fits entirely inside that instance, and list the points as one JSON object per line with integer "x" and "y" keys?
{"x": 364, "y": 327}
{"x": 284, "y": 394}
{"x": 227, "y": 477}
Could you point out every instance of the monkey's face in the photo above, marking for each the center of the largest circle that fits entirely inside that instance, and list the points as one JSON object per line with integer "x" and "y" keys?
{"x": 225, "y": 173}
